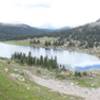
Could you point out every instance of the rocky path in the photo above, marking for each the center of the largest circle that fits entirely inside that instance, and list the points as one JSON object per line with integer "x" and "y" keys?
{"x": 66, "y": 88}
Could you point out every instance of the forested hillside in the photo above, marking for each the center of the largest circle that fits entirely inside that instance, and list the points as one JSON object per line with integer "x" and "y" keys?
{"x": 20, "y": 31}
{"x": 86, "y": 36}
{"x": 83, "y": 36}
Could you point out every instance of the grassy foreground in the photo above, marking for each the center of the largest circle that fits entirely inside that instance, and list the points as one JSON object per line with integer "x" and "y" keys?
{"x": 21, "y": 88}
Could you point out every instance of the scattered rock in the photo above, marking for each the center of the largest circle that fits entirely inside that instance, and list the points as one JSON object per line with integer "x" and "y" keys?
{"x": 92, "y": 85}
{"x": 17, "y": 76}
{"x": 15, "y": 70}
{"x": 28, "y": 88}
{"x": 6, "y": 69}
{"x": 72, "y": 84}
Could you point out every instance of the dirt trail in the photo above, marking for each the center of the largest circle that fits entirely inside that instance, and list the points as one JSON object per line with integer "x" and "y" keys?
{"x": 66, "y": 88}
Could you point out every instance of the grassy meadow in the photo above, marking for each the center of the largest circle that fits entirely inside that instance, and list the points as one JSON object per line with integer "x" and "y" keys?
{"x": 26, "y": 42}
{"x": 14, "y": 85}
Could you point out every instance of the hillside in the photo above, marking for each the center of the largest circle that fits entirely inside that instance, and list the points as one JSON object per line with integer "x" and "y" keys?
{"x": 20, "y": 31}
{"x": 83, "y": 36}
{"x": 86, "y": 36}
{"x": 16, "y": 85}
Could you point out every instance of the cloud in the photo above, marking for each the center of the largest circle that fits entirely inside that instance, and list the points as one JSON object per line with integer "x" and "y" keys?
{"x": 40, "y": 5}
{"x": 35, "y": 3}
{"x": 57, "y": 13}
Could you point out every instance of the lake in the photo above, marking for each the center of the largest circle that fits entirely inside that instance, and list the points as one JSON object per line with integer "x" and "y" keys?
{"x": 72, "y": 60}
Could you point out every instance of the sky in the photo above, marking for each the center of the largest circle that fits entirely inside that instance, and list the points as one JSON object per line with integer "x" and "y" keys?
{"x": 50, "y": 13}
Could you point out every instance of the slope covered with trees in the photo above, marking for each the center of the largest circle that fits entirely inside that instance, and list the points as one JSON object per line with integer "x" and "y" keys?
{"x": 20, "y": 31}
{"x": 86, "y": 36}
{"x": 83, "y": 36}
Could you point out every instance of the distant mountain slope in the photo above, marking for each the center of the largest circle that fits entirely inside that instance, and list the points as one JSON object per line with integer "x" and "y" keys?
{"x": 87, "y": 35}
{"x": 20, "y": 31}
{"x": 83, "y": 36}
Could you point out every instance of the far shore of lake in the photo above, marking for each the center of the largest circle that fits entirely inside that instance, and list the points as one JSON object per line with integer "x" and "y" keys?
{"x": 93, "y": 51}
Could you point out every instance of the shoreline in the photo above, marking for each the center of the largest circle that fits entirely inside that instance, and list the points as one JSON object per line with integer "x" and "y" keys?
{"x": 92, "y": 51}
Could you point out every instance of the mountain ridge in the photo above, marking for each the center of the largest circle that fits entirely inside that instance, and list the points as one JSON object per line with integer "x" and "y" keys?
{"x": 20, "y": 31}
{"x": 87, "y": 35}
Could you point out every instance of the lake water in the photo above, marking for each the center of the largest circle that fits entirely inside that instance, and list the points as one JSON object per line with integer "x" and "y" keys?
{"x": 74, "y": 60}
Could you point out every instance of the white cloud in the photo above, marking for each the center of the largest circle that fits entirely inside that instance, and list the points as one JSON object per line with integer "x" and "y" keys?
{"x": 57, "y": 13}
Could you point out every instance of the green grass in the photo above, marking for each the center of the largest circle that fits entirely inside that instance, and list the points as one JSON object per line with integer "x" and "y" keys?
{"x": 19, "y": 42}
{"x": 13, "y": 89}
{"x": 83, "y": 81}
{"x": 91, "y": 82}
{"x": 26, "y": 42}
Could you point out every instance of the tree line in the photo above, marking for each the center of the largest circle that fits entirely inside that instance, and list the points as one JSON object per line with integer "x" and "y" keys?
{"x": 44, "y": 62}
{"x": 55, "y": 43}
{"x": 22, "y": 58}
{"x": 48, "y": 43}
